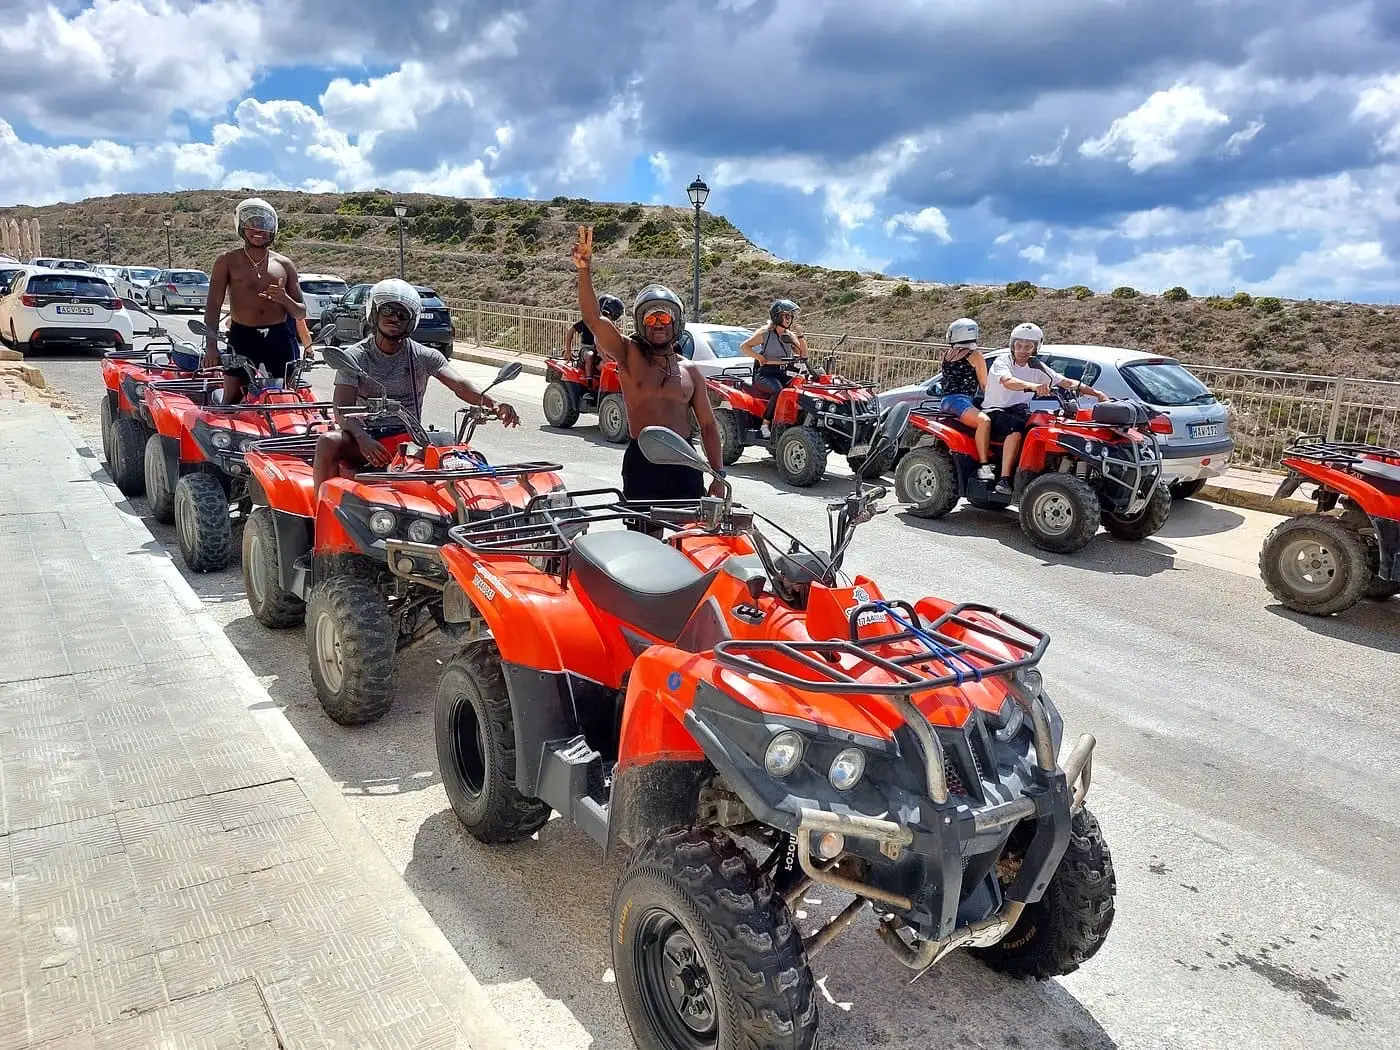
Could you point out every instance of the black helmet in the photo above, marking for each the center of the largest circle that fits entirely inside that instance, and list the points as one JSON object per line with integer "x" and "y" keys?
{"x": 782, "y": 306}
{"x": 611, "y": 307}
{"x": 652, "y": 297}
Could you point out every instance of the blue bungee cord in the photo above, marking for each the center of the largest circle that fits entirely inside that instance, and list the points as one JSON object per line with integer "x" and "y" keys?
{"x": 937, "y": 648}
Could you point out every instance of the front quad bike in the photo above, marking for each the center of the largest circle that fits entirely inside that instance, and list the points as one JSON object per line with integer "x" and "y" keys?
{"x": 1078, "y": 469}
{"x": 567, "y": 394}
{"x": 1326, "y": 562}
{"x": 817, "y": 413}
{"x": 358, "y": 562}
{"x": 746, "y": 722}
{"x": 125, "y": 374}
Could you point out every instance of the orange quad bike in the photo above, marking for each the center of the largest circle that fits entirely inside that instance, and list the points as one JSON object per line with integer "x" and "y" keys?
{"x": 1326, "y": 562}
{"x": 1078, "y": 468}
{"x": 357, "y": 563}
{"x": 125, "y": 374}
{"x": 568, "y": 394}
{"x": 743, "y": 721}
{"x": 817, "y": 412}
{"x": 195, "y": 469}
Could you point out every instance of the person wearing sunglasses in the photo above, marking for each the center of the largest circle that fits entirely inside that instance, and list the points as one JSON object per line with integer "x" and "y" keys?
{"x": 660, "y": 388}
{"x": 775, "y": 347}
{"x": 402, "y": 366}
{"x": 264, "y": 300}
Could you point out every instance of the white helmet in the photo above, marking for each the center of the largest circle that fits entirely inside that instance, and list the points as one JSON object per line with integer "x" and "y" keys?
{"x": 393, "y": 290}
{"x": 1028, "y": 331}
{"x": 257, "y": 214}
{"x": 963, "y": 330}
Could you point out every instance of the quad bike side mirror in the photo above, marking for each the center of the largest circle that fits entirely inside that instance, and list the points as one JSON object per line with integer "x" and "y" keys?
{"x": 895, "y": 421}
{"x": 199, "y": 328}
{"x": 665, "y": 447}
{"x": 338, "y": 359}
{"x": 508, "y": 371}
{"x": 322, "y": 331}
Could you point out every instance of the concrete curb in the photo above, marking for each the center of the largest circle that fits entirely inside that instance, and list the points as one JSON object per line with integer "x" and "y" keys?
{"x": 456, "y": 986}
{"x": 1249, "y": 499}
{"x": 482, "y": 355}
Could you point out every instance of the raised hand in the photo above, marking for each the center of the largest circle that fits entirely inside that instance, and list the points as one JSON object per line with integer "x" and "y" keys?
{"x": 583, "y": 249}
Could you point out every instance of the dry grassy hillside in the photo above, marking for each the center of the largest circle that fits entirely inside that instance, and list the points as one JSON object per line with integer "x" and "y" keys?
{"x": 517, "y": 251}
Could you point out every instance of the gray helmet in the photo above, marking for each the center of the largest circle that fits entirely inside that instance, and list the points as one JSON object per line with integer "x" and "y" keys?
{"x": 255, "y": 213}
{"x": 393, "y": 290}
{"x": 611, "y": 307}
{"x": 963, "y": 330}
{"x": 658, "y": 296}
{"x": 782, "y": 306}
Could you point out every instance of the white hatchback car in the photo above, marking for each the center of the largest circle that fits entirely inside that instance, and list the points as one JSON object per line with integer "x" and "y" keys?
{"x": 51, "y": 308}
{"x": 318, "y": 291}
{"x": 715, "y": 347}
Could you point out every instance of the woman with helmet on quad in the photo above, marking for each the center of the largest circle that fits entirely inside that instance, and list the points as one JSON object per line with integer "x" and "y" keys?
{"x": 775, "y": 346}
{"x": 1013, "y": 381}
{"x": 264, "y": 295}
{"x": 964, "y": 377}
{"x": 660, "y": 388}
{"x": 399, "y": 364}
{"x": 610, "y": 306}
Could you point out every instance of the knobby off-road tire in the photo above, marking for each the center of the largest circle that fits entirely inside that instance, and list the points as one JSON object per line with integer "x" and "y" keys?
{"x": 731, "y": 441}
{"x": 160, "y": 491}
{"x": 692, "y": 906}
{"x": 107, "y": 421}
{"x": 1378, "y": 590}
{"x": 475, "y": 734}
{"x": 350, "y": 644}
{"x": 271, "y": 605}
{"x": 1059, "y": 512}
{"x": 612, "y": 418}
{"x": 1148, "y": 523}
{"x": 560, "y": 404}
{"x": 201, "y": 523}
{"x": 1324, "y": 546}
{"x": 869, "y": 467}
{"x": 801, "y": 455}
{"x": 927, "y": 481}
{"x": 127, "y": 464}
{"x": 1067, "y": 926}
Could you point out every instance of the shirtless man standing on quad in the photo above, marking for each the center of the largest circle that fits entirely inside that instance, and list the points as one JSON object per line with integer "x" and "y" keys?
{"x": 659, "y": 387}
{"x": 263, "y": 293}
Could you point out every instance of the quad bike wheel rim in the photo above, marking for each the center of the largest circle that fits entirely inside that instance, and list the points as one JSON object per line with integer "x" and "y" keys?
{"x": 469, "y": 747}
{"x": 1053, "y": 513}
{"x": 1308, "y": 566}
{"x": 676, "y": 984}
{"x": 553, "y": 401}
{"x": 185, "y": 523}
{"x": 329, "y": 658}
{"x": 795, "y": 457}
{"x": 923, "y": 484}
{"x": 611, "y": 416}
{"x": 255, "y": 580}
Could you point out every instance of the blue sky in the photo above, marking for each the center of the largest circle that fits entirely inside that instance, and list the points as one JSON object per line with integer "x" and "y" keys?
{"x": 1217, "y": 144}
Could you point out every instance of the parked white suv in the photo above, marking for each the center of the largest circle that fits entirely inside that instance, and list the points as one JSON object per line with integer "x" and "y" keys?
{"x": 318, "y": 291}
{"x": 50, "y": 308}
{"x": 133, "y": 282}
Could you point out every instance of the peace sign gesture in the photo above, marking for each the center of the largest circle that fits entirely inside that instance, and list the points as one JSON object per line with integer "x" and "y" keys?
{"x": 583, "y": 249}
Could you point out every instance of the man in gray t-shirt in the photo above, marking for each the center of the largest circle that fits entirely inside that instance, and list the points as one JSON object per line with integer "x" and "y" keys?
{"x": 402, "y": 367}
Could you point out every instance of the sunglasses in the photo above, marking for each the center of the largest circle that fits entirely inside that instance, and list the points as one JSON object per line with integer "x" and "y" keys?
{"x": 658, "y": 317}
{"x": 394, "y": 313}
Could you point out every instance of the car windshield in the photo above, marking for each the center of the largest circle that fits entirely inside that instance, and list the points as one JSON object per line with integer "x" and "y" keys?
{"x": 58, "y": 284}
{"x": 324, "y": 287}
{"x": 725, "y": 344}
{"x": 142, "y": 273}
{"x": 1165, "y": 383}
{"x": 6, "y": 277}
{"x": 189, "y": 277}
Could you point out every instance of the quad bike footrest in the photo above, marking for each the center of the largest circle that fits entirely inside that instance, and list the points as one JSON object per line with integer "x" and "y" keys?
{"x": 565, "y": 775}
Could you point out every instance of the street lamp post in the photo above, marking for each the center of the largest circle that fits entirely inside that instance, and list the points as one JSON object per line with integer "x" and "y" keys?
{"x": 698, "y": 192}
{"x": 401, "y": 210}
{"x": 107, "y": 236}
{"x": 62, "y": 234}
{"x": 169, "y": 262}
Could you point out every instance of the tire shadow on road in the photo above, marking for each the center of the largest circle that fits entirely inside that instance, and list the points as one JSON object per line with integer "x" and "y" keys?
{"x": 1373, "y": 624}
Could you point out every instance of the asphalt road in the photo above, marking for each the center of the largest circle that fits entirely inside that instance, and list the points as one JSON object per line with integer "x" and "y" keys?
{"x": 1242, "y": 777}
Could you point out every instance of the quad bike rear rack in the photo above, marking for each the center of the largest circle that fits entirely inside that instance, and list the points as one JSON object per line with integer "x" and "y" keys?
{"x": 1345, "y": 453}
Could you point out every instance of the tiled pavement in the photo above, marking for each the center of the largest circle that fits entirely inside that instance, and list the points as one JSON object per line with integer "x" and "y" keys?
{"x": 175, "y": 869}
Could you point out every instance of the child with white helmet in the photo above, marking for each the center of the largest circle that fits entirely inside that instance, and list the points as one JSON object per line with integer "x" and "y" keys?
{"x": 963, "y": 379}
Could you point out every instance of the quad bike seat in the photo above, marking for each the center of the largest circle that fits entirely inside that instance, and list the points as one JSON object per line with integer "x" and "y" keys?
{"x": 1384, "y": 476}
{"x": 1120, "y": 414}
{"x": 640, "y": 580}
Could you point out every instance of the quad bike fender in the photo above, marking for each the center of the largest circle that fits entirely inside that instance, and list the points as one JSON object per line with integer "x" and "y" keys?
{"x": 1388, "y": 537}
{"x": 932, "y": 430}
{"x": 1364, "y": 495}
{"x": 608, "y": 380}
{"x": 563, "y": 371}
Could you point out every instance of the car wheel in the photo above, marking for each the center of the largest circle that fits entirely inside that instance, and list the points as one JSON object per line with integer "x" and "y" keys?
{"x": 1187, "y": 489}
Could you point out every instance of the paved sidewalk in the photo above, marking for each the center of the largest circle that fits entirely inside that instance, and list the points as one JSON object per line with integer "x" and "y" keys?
{"x": 175, "y": 868}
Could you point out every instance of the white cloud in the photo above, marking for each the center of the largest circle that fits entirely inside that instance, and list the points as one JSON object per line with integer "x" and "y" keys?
{"x": 1339, "y": 271}
{"x": 1033, "y": 253}
{"x": 1380, "y": 104}
{"x": 1049, "y": 160}
{"x": 397, "y": 101}
{"x": 1158, "y": 130}
{"x": 660, "y": 167}
{"x": 1200, "y": 267}
{"x": 596, "y": 144}
{"x": 927, "y": 220}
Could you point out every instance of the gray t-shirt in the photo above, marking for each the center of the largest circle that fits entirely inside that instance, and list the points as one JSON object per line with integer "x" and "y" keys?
{"x": 404, "y": 374}
{"x": 777, "y": 348}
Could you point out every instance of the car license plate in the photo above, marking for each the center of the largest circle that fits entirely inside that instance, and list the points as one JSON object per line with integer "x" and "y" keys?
{"x": 75, "y": 309}
{"x": 1205, "y": 430}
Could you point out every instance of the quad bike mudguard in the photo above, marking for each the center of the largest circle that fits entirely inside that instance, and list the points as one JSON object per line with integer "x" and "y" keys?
{"x": 1372, "y": 484}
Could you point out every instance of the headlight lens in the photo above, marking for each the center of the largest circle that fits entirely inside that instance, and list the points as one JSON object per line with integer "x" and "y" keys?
{"x": 382, "y": 522}
{"x": 1032, "y": 679}
{"x": 222, "y": 439}
{"x": 783, "y": 754}
{"x": 420, "y": 530}
{"x": 246, "y": 444}
{"x": 847, "y": 768}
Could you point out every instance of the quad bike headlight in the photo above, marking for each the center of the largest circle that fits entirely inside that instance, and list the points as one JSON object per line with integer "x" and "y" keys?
{"x": 846, "y": 768}
{"x": 1012, "y": 717}
{"x": 222, "y": 439}
{"x": 246, "y": 444}
{"x": 420, "y": 530}
{"x": 382, "y": 522}
{"x": 783, "y": 754}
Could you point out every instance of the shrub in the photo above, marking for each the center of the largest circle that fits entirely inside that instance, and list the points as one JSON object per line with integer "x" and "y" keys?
{"x": 1020, "y": 290}
{"x": 1124, "y": 292}
{"x": 1176, "y": 295}
{"x": 1269, "y": 304}
{"x": 902, "y": 290}
{"x": 631, "y": 213}
{"x": 1081, "y": 292}
{"x": 656, "y": 239}
{"x": 579, "y": 210}
{"x": 846, "y": 298}
{"x": 1217, "y": 302}
{"x": 608, "y": 231}
{"x": 513, "y": 268}
{"x": 1243, "y": 299}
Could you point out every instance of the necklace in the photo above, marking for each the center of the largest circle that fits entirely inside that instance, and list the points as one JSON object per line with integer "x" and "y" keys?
{"x": 257, "y": 269}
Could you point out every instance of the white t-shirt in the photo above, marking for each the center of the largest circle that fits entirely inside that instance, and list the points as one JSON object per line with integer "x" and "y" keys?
{"x": 998, "y": 396}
